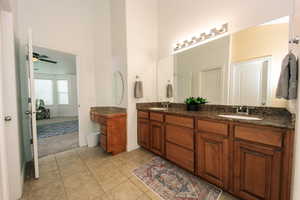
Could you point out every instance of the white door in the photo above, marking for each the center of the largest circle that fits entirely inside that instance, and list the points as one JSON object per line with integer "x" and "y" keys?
{"x": 183, "y": 86}
{"x": 10, "y": 147}
{"x": 31, "y": 105}
{"x": 3, "y": 153}
{"x": 210, "y": 85}
{"x": 250, "y": 83}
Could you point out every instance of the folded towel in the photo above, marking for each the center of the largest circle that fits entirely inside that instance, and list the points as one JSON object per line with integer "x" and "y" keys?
{"x": 169, "y": 91}
{"x": 138, "y": 89}
{"x": 288, "y": 80}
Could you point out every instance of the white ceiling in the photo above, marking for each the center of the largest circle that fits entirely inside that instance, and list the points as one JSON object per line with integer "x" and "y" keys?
{"x": 66, "y": 63}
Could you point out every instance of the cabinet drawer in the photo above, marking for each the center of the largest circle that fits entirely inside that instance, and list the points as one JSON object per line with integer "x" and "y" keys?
{"x": 213, "y": 127}
{"x": 180, "y": 156}
{"x": 142, "y": 114}
{"x": 260, "y": 135}
{"x": 181, "y": 121}
{"x": 103, "y": 142}
{"x": 156, "y": 116}
{"x": 103, "y": 129}
{"x": 181, "y": 136}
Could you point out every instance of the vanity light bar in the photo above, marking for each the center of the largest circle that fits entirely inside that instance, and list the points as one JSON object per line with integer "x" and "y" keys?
{"x": 201, "y": 37}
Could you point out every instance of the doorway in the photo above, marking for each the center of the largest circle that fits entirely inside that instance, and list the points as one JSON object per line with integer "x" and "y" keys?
{"x": 250, "y": 85}
{"x": 210, "y": 85}
{"x": 55, "y": 81}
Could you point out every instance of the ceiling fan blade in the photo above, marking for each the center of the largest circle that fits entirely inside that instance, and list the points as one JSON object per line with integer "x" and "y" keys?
{"x": 35, "y": 55}
{"x": 49, "y": 61}
{"x": 43, "y": 56}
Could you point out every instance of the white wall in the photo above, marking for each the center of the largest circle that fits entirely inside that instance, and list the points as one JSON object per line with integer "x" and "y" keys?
{"x": 5, "y": 5}
{"x": 180, "y": 19}
{"x": 118, "y": 42}
{"x": 142, "y": 29}
{"x": 165, "y": 73}
{"x": 77, "y": 27}
{"x": 102, "y": 52}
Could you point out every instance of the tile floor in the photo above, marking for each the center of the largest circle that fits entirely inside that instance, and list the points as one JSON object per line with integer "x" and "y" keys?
{"x": 91, "y": 174}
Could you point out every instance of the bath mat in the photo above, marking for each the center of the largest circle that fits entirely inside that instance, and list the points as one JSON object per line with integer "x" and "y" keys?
{"x": 55, "y": 129}
{"x": 173, "y": 183}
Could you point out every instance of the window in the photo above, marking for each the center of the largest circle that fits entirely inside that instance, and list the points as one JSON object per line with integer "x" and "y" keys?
{"x": 63, "y": 91}
{"x": 44, "y": 90}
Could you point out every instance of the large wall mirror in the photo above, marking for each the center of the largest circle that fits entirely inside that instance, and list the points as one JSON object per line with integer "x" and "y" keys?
{"x": 242, "y": 68}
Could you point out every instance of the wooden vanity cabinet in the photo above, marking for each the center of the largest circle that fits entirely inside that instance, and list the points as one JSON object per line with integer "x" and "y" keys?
{"x": 151, "y": 132}
{"x": 143, "y": 129}
{"x": 212, "y": 152}
{"x": 252, "y": 162}
{"x": 157, "y": 138}
{"x": 257, "y": 162}
{"x": 113, "y": 137}
{"x": 256, "y": 172}
{"x": 180, "y": 141}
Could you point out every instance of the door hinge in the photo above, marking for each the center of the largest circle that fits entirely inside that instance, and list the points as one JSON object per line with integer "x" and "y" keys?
{"x": 31, "y": 141}
{"x": 29, "y": 100}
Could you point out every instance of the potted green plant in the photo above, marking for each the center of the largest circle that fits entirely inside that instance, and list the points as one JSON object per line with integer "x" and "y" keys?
{"x": 192, "y": 103}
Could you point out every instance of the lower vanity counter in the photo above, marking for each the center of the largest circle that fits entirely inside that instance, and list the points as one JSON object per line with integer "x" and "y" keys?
{"x": 112, "y": 125}
{"x": 251, "y": 161}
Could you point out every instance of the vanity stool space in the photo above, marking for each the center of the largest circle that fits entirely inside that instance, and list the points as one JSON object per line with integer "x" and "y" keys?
{"x": 112, "y": 122}
{"x": 251, "y": 161}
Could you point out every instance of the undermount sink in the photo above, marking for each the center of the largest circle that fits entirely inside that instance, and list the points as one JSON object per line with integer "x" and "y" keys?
{"x": 240, "y": 117}
{"x": 160, "y": 109}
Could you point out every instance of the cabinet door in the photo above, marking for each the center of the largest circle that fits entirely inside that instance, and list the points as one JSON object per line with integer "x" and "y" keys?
{"x": 213, "y": 158}
{"x": 257, "y": 170}
{"x": 157, "y": 137}
{"x": 143, "y": 133}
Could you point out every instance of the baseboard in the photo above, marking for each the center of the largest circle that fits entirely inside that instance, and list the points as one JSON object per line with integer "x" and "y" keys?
{"x": 133, "y": 148}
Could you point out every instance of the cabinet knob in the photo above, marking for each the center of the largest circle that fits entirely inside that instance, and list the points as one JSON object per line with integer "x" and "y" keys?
{"x": 7, "y": 118}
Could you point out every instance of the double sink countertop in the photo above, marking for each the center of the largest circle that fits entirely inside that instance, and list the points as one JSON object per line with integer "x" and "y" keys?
{"x": 272, "y": 117}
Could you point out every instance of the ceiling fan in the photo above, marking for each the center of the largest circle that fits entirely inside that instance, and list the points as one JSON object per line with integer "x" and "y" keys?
{"x": 42, "y": 58}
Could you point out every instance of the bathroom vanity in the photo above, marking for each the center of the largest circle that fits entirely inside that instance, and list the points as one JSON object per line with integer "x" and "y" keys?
{"x": 112, "y": 128}
{"x": 250, "y": 159}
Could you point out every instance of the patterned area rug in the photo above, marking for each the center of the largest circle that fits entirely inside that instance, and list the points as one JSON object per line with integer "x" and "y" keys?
{"x": 174, "y": 183}
{"x": 55, "y": 129}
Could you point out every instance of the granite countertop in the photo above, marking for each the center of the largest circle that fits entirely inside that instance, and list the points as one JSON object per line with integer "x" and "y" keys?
{"x": 272, "y": 120}
{"x": 109, "y": 112}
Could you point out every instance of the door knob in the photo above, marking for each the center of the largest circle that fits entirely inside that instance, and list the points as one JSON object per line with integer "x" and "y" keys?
{"x": 7, "y": 118}
{"x": 27, "y": 112}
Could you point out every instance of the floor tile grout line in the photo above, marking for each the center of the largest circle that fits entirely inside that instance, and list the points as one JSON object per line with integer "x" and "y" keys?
{"x": 126, "y": 177}
{"x": 78, "y": 154}
{"x": 62, "y": 179}
{"x": 91, "y": 172}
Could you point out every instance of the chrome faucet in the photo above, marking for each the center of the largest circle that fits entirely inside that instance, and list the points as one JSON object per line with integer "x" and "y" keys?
{"x": 242, "y": 110}
{"x": 165, "y": 104}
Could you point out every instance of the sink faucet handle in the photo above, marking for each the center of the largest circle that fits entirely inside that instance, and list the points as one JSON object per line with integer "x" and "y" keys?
{"x": 242, "y": 110}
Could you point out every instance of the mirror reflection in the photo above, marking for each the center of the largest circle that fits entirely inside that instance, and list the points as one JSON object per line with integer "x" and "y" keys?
{"x": 242, "y": 68}
{"x": 118, "y": 87}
